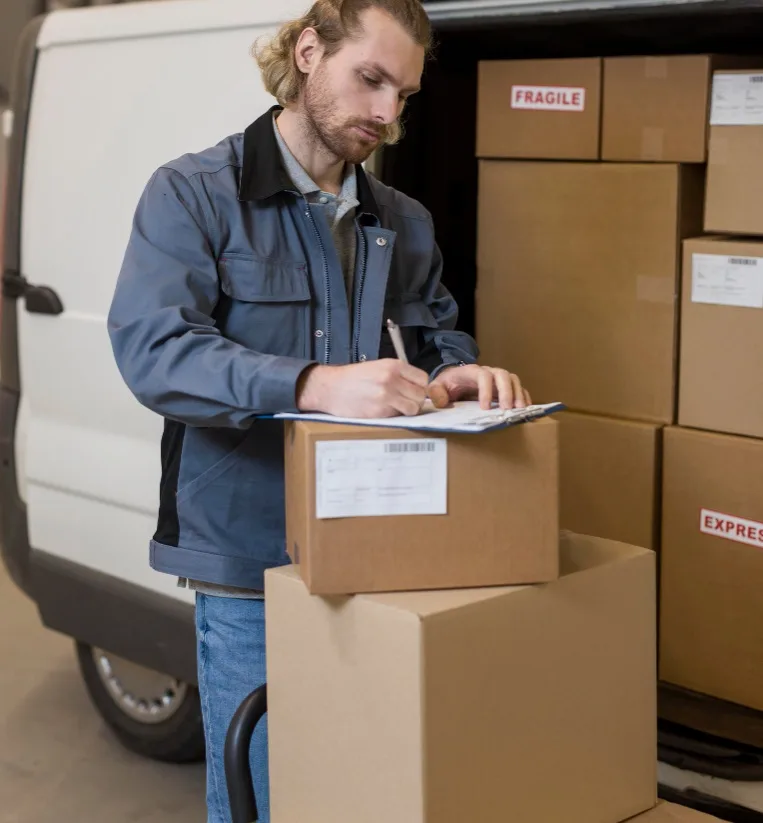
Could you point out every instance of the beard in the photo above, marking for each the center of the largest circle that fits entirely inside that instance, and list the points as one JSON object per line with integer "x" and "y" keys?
{"x": 336, "y": 134}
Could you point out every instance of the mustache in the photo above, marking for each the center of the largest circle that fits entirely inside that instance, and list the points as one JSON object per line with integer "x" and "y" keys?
{"x": 379, "y": 130}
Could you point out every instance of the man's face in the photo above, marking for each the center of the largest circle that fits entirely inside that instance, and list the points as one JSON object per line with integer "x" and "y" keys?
{"x": 353, "y": 97}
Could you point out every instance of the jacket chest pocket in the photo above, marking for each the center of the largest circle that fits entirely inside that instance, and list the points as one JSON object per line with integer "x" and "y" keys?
{"x": 413, "y": 316}
{"x": 266, "y": 305}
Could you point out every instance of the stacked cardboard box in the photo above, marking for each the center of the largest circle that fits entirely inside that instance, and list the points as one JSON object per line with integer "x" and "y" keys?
{"x": 408, "y": 682}
{"x": 712, "y": 552}
{"x": 625, "y": 287}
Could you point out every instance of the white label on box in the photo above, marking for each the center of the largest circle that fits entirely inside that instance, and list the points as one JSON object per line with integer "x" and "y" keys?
{"x": 368, "y": 478}
{"x": 731, "y": 528}
{"x": 737, "y": 100}
{"x": 727, "y": 281}
{"x": 548, "y": 98}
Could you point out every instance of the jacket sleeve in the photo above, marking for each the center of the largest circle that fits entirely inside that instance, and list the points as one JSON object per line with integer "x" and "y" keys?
{"x": 164, "y": 338}
{"x": 443, "y": 346}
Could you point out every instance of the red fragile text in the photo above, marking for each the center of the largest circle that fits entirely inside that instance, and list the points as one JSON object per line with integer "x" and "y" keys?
{"x": 548, "y": 98}
{"x": 731, "y": 528}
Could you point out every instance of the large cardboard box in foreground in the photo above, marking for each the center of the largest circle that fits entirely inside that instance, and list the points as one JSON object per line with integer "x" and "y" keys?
{"x": 655, "y": 108}
{"x": 547, "y": 109}
{"x": 734, "y": 200}
{"x": 609, "y": 478}
{"x": 577, "y": 284}
{"x": 530, "y": 703}
{"x": 711, "y": 625}
{"x": 381, "y": 509}
{"x": 722, "y": 336}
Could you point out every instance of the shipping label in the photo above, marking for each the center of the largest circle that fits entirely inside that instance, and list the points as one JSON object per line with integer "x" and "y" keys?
{"x": 730, "y": 527}
{"x": 548, "y": 98}
{"x": 367, "y": 478}
{"x": 727, "y": 281}
{"x": 737, "y": 100}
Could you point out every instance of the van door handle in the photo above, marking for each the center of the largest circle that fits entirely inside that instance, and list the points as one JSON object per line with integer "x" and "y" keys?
{"x": 39, "y": 299}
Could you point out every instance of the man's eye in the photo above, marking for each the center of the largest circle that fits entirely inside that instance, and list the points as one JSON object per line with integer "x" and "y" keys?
{"x": 372, "y": 81}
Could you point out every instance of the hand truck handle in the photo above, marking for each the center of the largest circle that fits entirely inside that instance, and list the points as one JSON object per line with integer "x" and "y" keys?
{"x": 238, "y": 774}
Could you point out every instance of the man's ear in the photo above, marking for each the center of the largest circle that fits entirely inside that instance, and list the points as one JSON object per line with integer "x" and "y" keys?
{"x": 308, "y": 51}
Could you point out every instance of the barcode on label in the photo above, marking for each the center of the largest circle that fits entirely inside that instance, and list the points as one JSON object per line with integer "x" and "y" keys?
{"x": 409, "y": 447}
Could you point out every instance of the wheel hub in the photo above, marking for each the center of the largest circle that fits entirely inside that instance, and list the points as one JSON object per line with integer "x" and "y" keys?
{"x": 142, "y": 694}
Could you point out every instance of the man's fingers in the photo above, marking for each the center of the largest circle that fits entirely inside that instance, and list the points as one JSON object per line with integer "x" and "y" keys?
{"x": 528, "y": 399}
{"x": 505, "y": 388}
{"x": 439, "y": 396}
{"x": 485, "y": 387}
{"x": 413, "y": 375}
{"x": 519, "y": 393}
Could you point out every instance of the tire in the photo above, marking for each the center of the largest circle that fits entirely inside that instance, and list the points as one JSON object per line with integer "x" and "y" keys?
{"x": 165, "y": 727}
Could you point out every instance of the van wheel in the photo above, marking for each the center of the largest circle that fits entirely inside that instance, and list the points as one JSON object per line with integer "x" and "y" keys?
{"x": 150, "y": 713}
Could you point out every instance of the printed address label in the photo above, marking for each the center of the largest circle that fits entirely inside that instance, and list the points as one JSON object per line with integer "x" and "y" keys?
{"x": 548, "y": 98}
{"x": 727, "y": 281}
{"x": 737, "y": 100}
{"x": 368, "y": 478}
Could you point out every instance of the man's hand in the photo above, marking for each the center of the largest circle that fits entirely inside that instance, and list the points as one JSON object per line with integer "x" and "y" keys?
{"x": 478, "y": 382}
{"x": 378, "y": 388}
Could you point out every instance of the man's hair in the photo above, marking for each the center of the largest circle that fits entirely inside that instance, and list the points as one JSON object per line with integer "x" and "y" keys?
{"x": 334, "y": 21}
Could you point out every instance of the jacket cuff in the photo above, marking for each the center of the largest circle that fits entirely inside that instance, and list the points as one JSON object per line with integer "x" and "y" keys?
{"x": 278, "y": 393}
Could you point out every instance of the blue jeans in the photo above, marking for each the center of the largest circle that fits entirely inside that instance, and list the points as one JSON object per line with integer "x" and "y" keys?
{"x": 230, "y": 636}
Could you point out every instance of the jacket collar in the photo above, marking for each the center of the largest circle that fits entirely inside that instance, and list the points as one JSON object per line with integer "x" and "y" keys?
{"x": 263, "y": 174}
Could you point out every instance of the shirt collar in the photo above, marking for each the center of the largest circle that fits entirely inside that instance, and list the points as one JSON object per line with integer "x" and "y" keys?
{"x": 264, "y": 173}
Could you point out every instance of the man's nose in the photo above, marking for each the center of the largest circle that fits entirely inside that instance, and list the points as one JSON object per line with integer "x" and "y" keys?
{"x": 386, "y": 108}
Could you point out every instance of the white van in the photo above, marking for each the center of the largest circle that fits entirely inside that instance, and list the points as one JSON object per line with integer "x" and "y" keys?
{"x": 103, "y": 96}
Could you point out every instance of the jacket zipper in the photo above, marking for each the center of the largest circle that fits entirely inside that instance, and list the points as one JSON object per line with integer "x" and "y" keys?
{"x": 327, "y": 290}
{"x": 359, "y": 295}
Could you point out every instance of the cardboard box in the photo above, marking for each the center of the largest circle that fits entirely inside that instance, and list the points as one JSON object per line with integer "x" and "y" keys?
{"x": 672, "y": 813}
{"x": 734, "y": 200}
{"x": 547, "y": 109}
{"x": 501, "y": 493}
{"x": 720, "y": 386}
{"x": 712, "y": 566}
{"x": 531, "y": 703}
{"x": 609, "y": 478}
{"x": 656, "y": 108}
{"x": 578, "y": 280}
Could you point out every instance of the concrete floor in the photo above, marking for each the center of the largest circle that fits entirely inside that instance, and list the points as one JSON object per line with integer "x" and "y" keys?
{"x": 58, "y": 761}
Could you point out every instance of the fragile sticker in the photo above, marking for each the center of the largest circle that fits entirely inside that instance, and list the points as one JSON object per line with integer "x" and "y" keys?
{"x": 730, "y": 527}
{"x": 548, "y": 98}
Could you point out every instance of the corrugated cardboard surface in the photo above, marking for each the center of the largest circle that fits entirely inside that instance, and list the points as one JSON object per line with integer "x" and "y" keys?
{"x": 440, "y": 707}
{"x": 734, "y": 199}
{"x": 501, "y": 527}
{"x": 578, "y": 279}
{"x": 655, "y": 108}
{"x": 672, "y": 813}
{"x": 609, "y": 478}
{"x": 721, "y": 348}
{"x": 711, "y": 626}
{"x": 503, "y": 131}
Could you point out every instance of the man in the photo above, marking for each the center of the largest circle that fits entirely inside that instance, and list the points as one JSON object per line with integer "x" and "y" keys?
{"x": 257, "y": 279}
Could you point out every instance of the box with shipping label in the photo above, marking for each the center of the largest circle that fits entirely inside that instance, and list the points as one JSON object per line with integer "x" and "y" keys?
{"x": 672, "y": 813}
{"x": 711, "y": 623}
{"x": 548, "y": 109}
{"x": 446, "y": 706}
{"x": 656, "y": 108}
{"x": 609, "y": 473}
{"x": 577, "y": 282}
{"x": 381, "y": 509}
{"x": 722, "y": 336}
{"x": 734, "y": 199}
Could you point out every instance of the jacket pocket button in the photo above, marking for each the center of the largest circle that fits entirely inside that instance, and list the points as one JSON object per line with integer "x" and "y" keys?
{"x": 318, "y": 332}
{"x": 381, "y": 241}
{"x": 362, "y": 358}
